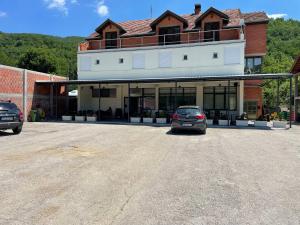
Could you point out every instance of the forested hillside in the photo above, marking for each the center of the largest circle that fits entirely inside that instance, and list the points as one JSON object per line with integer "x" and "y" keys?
{"x": 40, "y": 52}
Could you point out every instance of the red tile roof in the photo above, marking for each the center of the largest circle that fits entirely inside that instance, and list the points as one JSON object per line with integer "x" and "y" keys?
{"x": 139, "y": 27}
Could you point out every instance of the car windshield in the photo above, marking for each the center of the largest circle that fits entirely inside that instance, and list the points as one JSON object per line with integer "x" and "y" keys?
{"x": 188, "y": 111}
{"x": 7, "y": 106}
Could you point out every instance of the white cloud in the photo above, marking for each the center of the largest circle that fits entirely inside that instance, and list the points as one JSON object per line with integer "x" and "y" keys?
{"x": 278, "y": 15}
{"x": 102, "y": 9}
{"x": 3, "y": 14}
{"x": 60, "y": 5}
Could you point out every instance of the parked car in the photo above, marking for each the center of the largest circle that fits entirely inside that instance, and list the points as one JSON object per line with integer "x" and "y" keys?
{"x": 189, "y": 118}
{"x": 11, "y": 117}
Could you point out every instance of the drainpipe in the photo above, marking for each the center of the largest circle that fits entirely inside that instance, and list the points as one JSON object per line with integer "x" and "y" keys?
{"x": 25, "y": 95}
{"x": 291, "y": 94}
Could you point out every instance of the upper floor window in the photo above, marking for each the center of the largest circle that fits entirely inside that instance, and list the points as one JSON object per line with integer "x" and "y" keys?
{"x": 169, "y": 35}
{"x": 253, "y": 65}
{"x": 212, "y": 31}
{"x": 111, "y": 40}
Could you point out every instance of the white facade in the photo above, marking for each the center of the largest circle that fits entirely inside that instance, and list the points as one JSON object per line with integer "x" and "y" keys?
{"x": 202, "y": 59}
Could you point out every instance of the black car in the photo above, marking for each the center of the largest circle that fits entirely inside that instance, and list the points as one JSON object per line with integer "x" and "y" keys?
{"x": 11, "y": 117}
{"x": 189, "y": 118}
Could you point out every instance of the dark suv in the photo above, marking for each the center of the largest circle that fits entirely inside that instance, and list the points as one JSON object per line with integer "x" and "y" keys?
{"x": 10, "y": 117}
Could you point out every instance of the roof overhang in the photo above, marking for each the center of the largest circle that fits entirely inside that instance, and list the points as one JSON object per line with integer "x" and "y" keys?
{"x": 174, "y": 79}
{"x": 106, "y": 23}
{"x": 296, "y": 67}
{"x": 211, "y": 10}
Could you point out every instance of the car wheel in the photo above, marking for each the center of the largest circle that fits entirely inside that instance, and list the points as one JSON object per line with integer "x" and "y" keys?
{"x": 203, "y": 131}
{"x": 173, "y": 131}
{"x": 17, "y": 130}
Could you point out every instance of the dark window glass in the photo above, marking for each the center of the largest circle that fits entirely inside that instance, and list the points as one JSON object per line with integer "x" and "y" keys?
{"x": 253, "y": 65}
{"x": 8, "y": 106}
{"x": 105, "y": 93}
{"x": 169, "y": 35}
{"x": 111, "y": 40}
{"x": 188, "y": 111}
{"x": 212, "y": 31}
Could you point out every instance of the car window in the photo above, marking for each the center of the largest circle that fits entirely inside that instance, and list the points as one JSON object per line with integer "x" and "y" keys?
{"x": 7, "y": 106}
{"x": 188, "y": 111}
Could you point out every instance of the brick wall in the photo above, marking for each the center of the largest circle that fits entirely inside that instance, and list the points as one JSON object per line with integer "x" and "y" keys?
{"x": 16, "y": 83}
{"x": 256, "y": 39}
{"x": 254, "y": 93}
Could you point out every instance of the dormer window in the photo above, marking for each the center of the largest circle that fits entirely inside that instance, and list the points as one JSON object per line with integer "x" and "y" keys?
{"x": 111, "y": 40}
{"x": 212, "y": 31}
{"x": 169, "y": 35}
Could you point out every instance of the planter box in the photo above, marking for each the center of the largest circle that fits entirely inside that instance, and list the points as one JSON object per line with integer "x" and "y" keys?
{"x": 135, "y": 119}
{"x": 242, "y": 123}
{"x": 209, "y": 122}
{"x": 91, "y": 118}
{"x": 223, "y": 122}
{"x": 80, "y": 118}
{"x": 279, "y": 124}
{"x": 161, "y": 120}
{"x": 67, "y": 118}
{"x": 147, "y": 120}
{"x": 261, "y": 123}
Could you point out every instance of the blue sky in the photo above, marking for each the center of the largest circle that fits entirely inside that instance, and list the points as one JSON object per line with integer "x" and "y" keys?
{"x": 81, "y": 17}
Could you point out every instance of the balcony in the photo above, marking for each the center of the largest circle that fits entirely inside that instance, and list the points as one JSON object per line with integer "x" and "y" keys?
{"x": 163, "y": 40}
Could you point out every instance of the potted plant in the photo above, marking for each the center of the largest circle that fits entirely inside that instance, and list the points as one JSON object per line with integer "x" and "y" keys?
{"x": 223, "y": 121}
{"x": 161, "y": 117}
{"x": 261, "y": 122}
{"x": 147, "y": 118}
{"x": 279, "y": 122}
{"x": 91, "y": 116}
{"x": 242, "y": 121}
{"x": 135, "y": 118}
{"x": 67, "y": 118}
{"x": 80, "y": 117}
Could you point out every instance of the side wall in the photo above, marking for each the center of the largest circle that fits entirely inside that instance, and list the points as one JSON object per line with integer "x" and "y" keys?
{"x": 18, "y": 86}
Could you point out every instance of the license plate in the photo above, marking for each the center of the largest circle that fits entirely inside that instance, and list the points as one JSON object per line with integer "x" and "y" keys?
{"x": 7, "y": 118}
{"x": 187, "y": 125}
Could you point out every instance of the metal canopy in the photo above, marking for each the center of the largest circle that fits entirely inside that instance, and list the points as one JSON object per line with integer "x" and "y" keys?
{"x": 173, "y": 79}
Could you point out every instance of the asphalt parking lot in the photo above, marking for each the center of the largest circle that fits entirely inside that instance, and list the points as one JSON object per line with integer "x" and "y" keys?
{"x": 55, "y": 173}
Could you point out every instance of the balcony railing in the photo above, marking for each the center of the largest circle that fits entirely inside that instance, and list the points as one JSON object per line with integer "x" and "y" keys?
{"x": 162, "y": 40}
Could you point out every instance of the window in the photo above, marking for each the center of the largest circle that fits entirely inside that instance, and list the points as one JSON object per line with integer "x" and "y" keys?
{"x": 215, "y": 55}
{"x": 253, "y": 65}
{"x": 121, "y": 60}
{"x": 185, "y": 57}
{"x": 105, "y": 93}
{"x": 111, "y": 40}
{"x": 171, "y": 98}
{"x": 232, "y": 55}
{"x": 212, "y": 32}
{"x": 97, "y": 61}
{"x": 165, "y": 59}
{"x": 250, "y": 107}
{"x": 169, "y": 35}
{"x": 139, "y": 61}
{"x": 85, "y": 63}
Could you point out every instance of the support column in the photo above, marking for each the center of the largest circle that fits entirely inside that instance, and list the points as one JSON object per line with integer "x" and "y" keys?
{"x": 51, "y": 101}
{"x": 56, "y": 101}
{"x": 156, "y": 98}
{"x": 175, "y": 103}
{"x": 25, "y": 95}
{"x": 228, "y": 105}
{"x": 296, "y": 95}
{"x": 128, "y": 103}
{"x": 277, "y": 96}
{"x": 291, "y": 96}
{"x": 241, "y": 97}
{"x": 99, "y": 103}
{"x": 199, "y": 95}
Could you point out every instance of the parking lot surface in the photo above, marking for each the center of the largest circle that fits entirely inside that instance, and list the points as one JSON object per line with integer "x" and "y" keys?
{"x": 55, "y": 173}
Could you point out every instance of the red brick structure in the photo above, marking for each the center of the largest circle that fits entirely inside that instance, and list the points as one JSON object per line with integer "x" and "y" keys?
{"x": 18, "y": 86}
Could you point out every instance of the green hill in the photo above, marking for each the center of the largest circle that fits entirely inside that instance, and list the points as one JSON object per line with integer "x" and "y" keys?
{"x": 60, "y": 52}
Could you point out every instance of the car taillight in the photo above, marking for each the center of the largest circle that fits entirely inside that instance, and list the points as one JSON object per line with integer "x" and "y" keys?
{"x": 21, "y": 116}
{"x": 200, "y": 117}
{"x": 175, "y": 116}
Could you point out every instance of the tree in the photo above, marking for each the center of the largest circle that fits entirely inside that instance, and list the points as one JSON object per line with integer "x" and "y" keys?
{"x": 38, "y": 60}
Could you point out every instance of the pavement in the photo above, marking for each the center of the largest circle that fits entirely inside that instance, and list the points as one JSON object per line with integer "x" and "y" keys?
{"x": 56, "y": 173}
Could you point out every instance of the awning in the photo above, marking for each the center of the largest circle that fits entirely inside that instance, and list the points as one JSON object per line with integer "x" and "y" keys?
{"x": 173, "y": 79}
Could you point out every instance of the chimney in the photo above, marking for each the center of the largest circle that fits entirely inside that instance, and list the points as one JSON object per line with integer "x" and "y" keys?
{"x": 197, "y": 9}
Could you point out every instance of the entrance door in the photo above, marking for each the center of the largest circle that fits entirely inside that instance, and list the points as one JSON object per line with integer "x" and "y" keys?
{"x": 250, "y": 107}
{"x": 135, "y": 106}
{"x": 212, "y": 31}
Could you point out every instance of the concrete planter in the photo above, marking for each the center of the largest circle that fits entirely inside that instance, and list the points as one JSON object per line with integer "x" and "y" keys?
{"x": 91, "y": 119}
{"x": 80, "y": 118}
{"x": 147, "y": 120}
{"x": 261, "y": 123}
{"x": 209, "y": 122}
{"x": 279, "y": 124}
{"x": 67, "y": 118}
{"x": 161, "y": 120}
{"x": 223, "y": 122}
{"x": 135, "y": 119}
{"x": 242, "y": 123}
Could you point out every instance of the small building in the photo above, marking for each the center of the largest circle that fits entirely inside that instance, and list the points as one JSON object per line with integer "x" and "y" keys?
{"x": 296, "y": 71}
